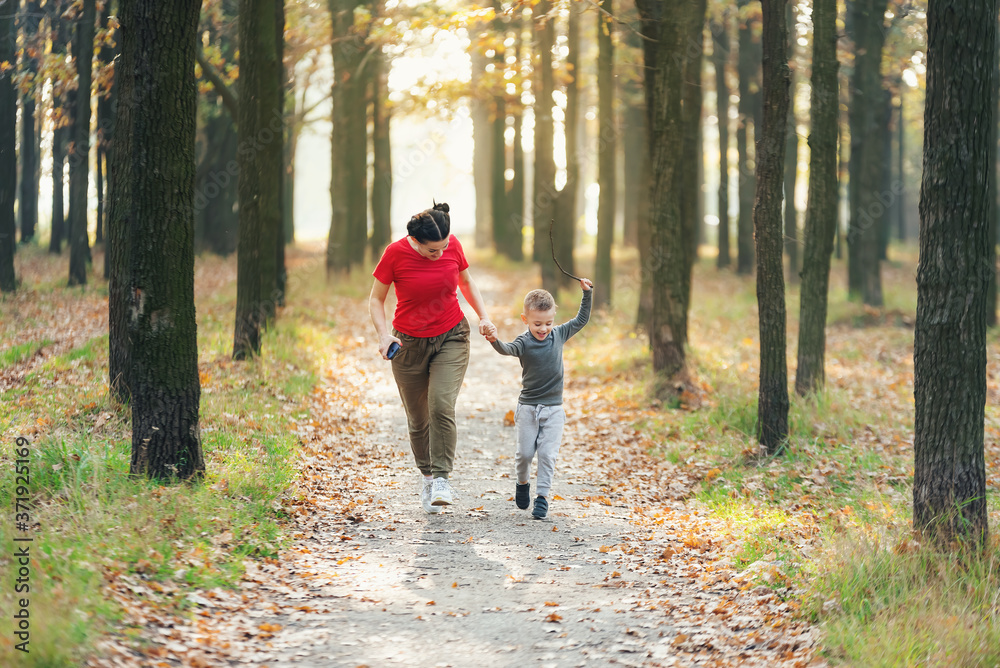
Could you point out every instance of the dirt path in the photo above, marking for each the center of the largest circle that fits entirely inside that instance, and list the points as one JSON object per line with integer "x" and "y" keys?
{"x": 620, "y": 573}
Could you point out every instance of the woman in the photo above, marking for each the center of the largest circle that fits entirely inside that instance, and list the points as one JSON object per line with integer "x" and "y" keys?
{"x": 427, "y": 266}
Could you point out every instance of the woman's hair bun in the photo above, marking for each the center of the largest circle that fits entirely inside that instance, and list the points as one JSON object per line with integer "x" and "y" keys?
{"x": 441, "y": 206}
{"x": 434, "y": 224}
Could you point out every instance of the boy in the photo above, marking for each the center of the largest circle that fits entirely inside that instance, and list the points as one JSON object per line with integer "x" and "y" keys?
{"x": 539, "y": 415}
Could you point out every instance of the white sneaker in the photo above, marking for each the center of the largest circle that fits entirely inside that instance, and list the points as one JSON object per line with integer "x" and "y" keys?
{"x": 425, "y": 496}
{"x": 440, "y": 492}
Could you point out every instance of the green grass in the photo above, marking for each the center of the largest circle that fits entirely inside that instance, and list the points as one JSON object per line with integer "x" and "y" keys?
{"x": 844, "y": 479}
{"x": 20, "y": 352}
{"x": 97, "y": 527}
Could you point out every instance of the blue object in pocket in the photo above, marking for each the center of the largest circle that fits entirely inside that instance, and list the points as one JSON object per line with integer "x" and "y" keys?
{"x": 393, "y": 349}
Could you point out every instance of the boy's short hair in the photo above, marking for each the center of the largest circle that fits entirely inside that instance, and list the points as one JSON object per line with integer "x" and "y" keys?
{"x": 538, "y": 300}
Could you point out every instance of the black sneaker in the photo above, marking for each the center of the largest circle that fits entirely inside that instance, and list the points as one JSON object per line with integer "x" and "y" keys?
{"x": 541, "y": 508}
{"x": 522, "y": 495}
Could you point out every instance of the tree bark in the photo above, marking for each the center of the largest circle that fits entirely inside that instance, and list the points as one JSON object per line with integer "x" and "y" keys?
{"x": 8, "y": 157}
{"x": 30, "y": 134}
{"x": 566, "y": 201}
{"x": 772, "y": 405}
{"x": 349, "y": 220}
{"x": 79, "y": 164}
{"x": 868, "y": 204}
{"x": 949, "y": 349}
{"x": 821, "y": 211}
{"x": 606, "y": 148}
{"x": 747, "y": 68}
{"x": 991, "y": 216}
{"x": 259, "y": 129}
{"x": 482, "y": 154}
{"x": 720, "y": 57}
{"x": 382, "y": 156}
{"x": 791, "y": 163}
{"x": 60, "y": 108}
{"x": 544, "y": 190}
{"x": 665, "y": 56}
{"x": 158, "y": 106}
{"x": 498, "y": 125}
{"x": 515, "y": 199}
{"x": 691, "y": 214}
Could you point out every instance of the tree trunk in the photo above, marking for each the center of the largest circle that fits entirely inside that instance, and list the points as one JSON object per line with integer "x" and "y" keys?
{"x": 60, "y": 38}
{"x": 121, "y": 224}
{"x": 949, "y": 349}
{"x": 288, "y": 191}
{"x": 103, "y": 135}
{"x": 498, "y": 125}
{"x": 79, "y": 164}
{"x": 772, "y": 405}
{"x": 276, "y": 165}
{"x": 791, "y": 163}
{"x": 482, "y": 154}
{"x": 259, "y": 126}
{"x": 634, "y": 138}
{"x": 720, "y": 56}
{"x": 747, "y": 68}
{"x": 382, "y": 157}
{"x": 157, "y": 132}
{"x": 868, "y": 204}
{"x": 821, "y": 211}
{"x": 515, "y": 199}
{"x": 991, "y": 286}
{"x": 664, "y": 55}
{"x": 566, "y": 201}
{"x": 606, "y": 147}
{"x": 349, "y": 220}
{"x": 8, "y": 157}
{"x": 690, "y": 194}
{"x": 900, "y": 147}
{"x": 30, "y": 135}
{"x": 544, "y": 191}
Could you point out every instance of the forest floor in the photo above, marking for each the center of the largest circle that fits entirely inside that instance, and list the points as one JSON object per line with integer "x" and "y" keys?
{"x": 670, "y": 539}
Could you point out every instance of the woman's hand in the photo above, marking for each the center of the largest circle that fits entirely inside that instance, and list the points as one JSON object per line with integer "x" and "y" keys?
{"x": 586, "y": 285}
{"x": 487, "y": 328}
{"x": 384, "y": 342}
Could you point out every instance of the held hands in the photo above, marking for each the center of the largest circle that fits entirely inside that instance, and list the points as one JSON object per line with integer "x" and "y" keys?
{"x": 383, "y": 345}
{"x": 488, "y": 329}
{"x": 586, "y": 285}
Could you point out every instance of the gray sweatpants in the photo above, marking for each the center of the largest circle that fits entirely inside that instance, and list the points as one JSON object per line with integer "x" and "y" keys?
{"x": 539, "y": 431}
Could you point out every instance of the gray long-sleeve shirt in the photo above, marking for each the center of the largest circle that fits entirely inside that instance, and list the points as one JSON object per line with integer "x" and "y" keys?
{"x": 541, "y": 361}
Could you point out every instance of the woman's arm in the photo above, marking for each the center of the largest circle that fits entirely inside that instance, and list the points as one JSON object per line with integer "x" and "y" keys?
{"x": 376, "y": 308}
{"x": 472, "y": 295}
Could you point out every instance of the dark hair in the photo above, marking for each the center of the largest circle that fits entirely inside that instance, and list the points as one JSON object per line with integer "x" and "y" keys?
{"x": 433, "y": 224}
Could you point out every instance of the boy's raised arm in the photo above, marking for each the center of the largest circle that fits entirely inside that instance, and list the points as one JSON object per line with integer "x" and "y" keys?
{"x": 570, "y": 328}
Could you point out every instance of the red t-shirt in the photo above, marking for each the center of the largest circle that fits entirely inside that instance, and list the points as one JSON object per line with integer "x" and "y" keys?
{"x": 426, "y": 290}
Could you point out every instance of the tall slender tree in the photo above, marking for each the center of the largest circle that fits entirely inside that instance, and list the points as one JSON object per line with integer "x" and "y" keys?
{"x": 720, "y": 58}
{"x": 949, "y": 348}
{"x": 791, "y": 162}
{"x": 381, "y": 153}
{"x": 544, "y": 187}
{"x": 665, "y": 55}
{"x": 606, "y": 149}
{"x": 349, "y": 181}
{"x": 772, "y": 403}
{"x": 515, "y": 196}
{"x": 30, "y": 134}
{"x": 498, "y": 193}
{"x": 79, "y": 164}
{"x": 821, "y": 211}
{"x": 157, "y": 128}
{"x": 59, "y": 29}
{"x": 868, "y": 203}
{"x": 8, "y": 157}
{"x": 566, "y": 200}
{"x": 259, "y": 127}
{"x": 691, "y": 178}
{"x": 747, "y": 65}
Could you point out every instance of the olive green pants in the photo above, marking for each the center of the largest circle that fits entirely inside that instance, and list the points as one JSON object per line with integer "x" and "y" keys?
{"x": 429, "y": 373}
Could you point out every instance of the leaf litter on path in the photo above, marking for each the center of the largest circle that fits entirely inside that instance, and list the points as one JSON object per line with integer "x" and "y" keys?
{"x": 624, "y": 571}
